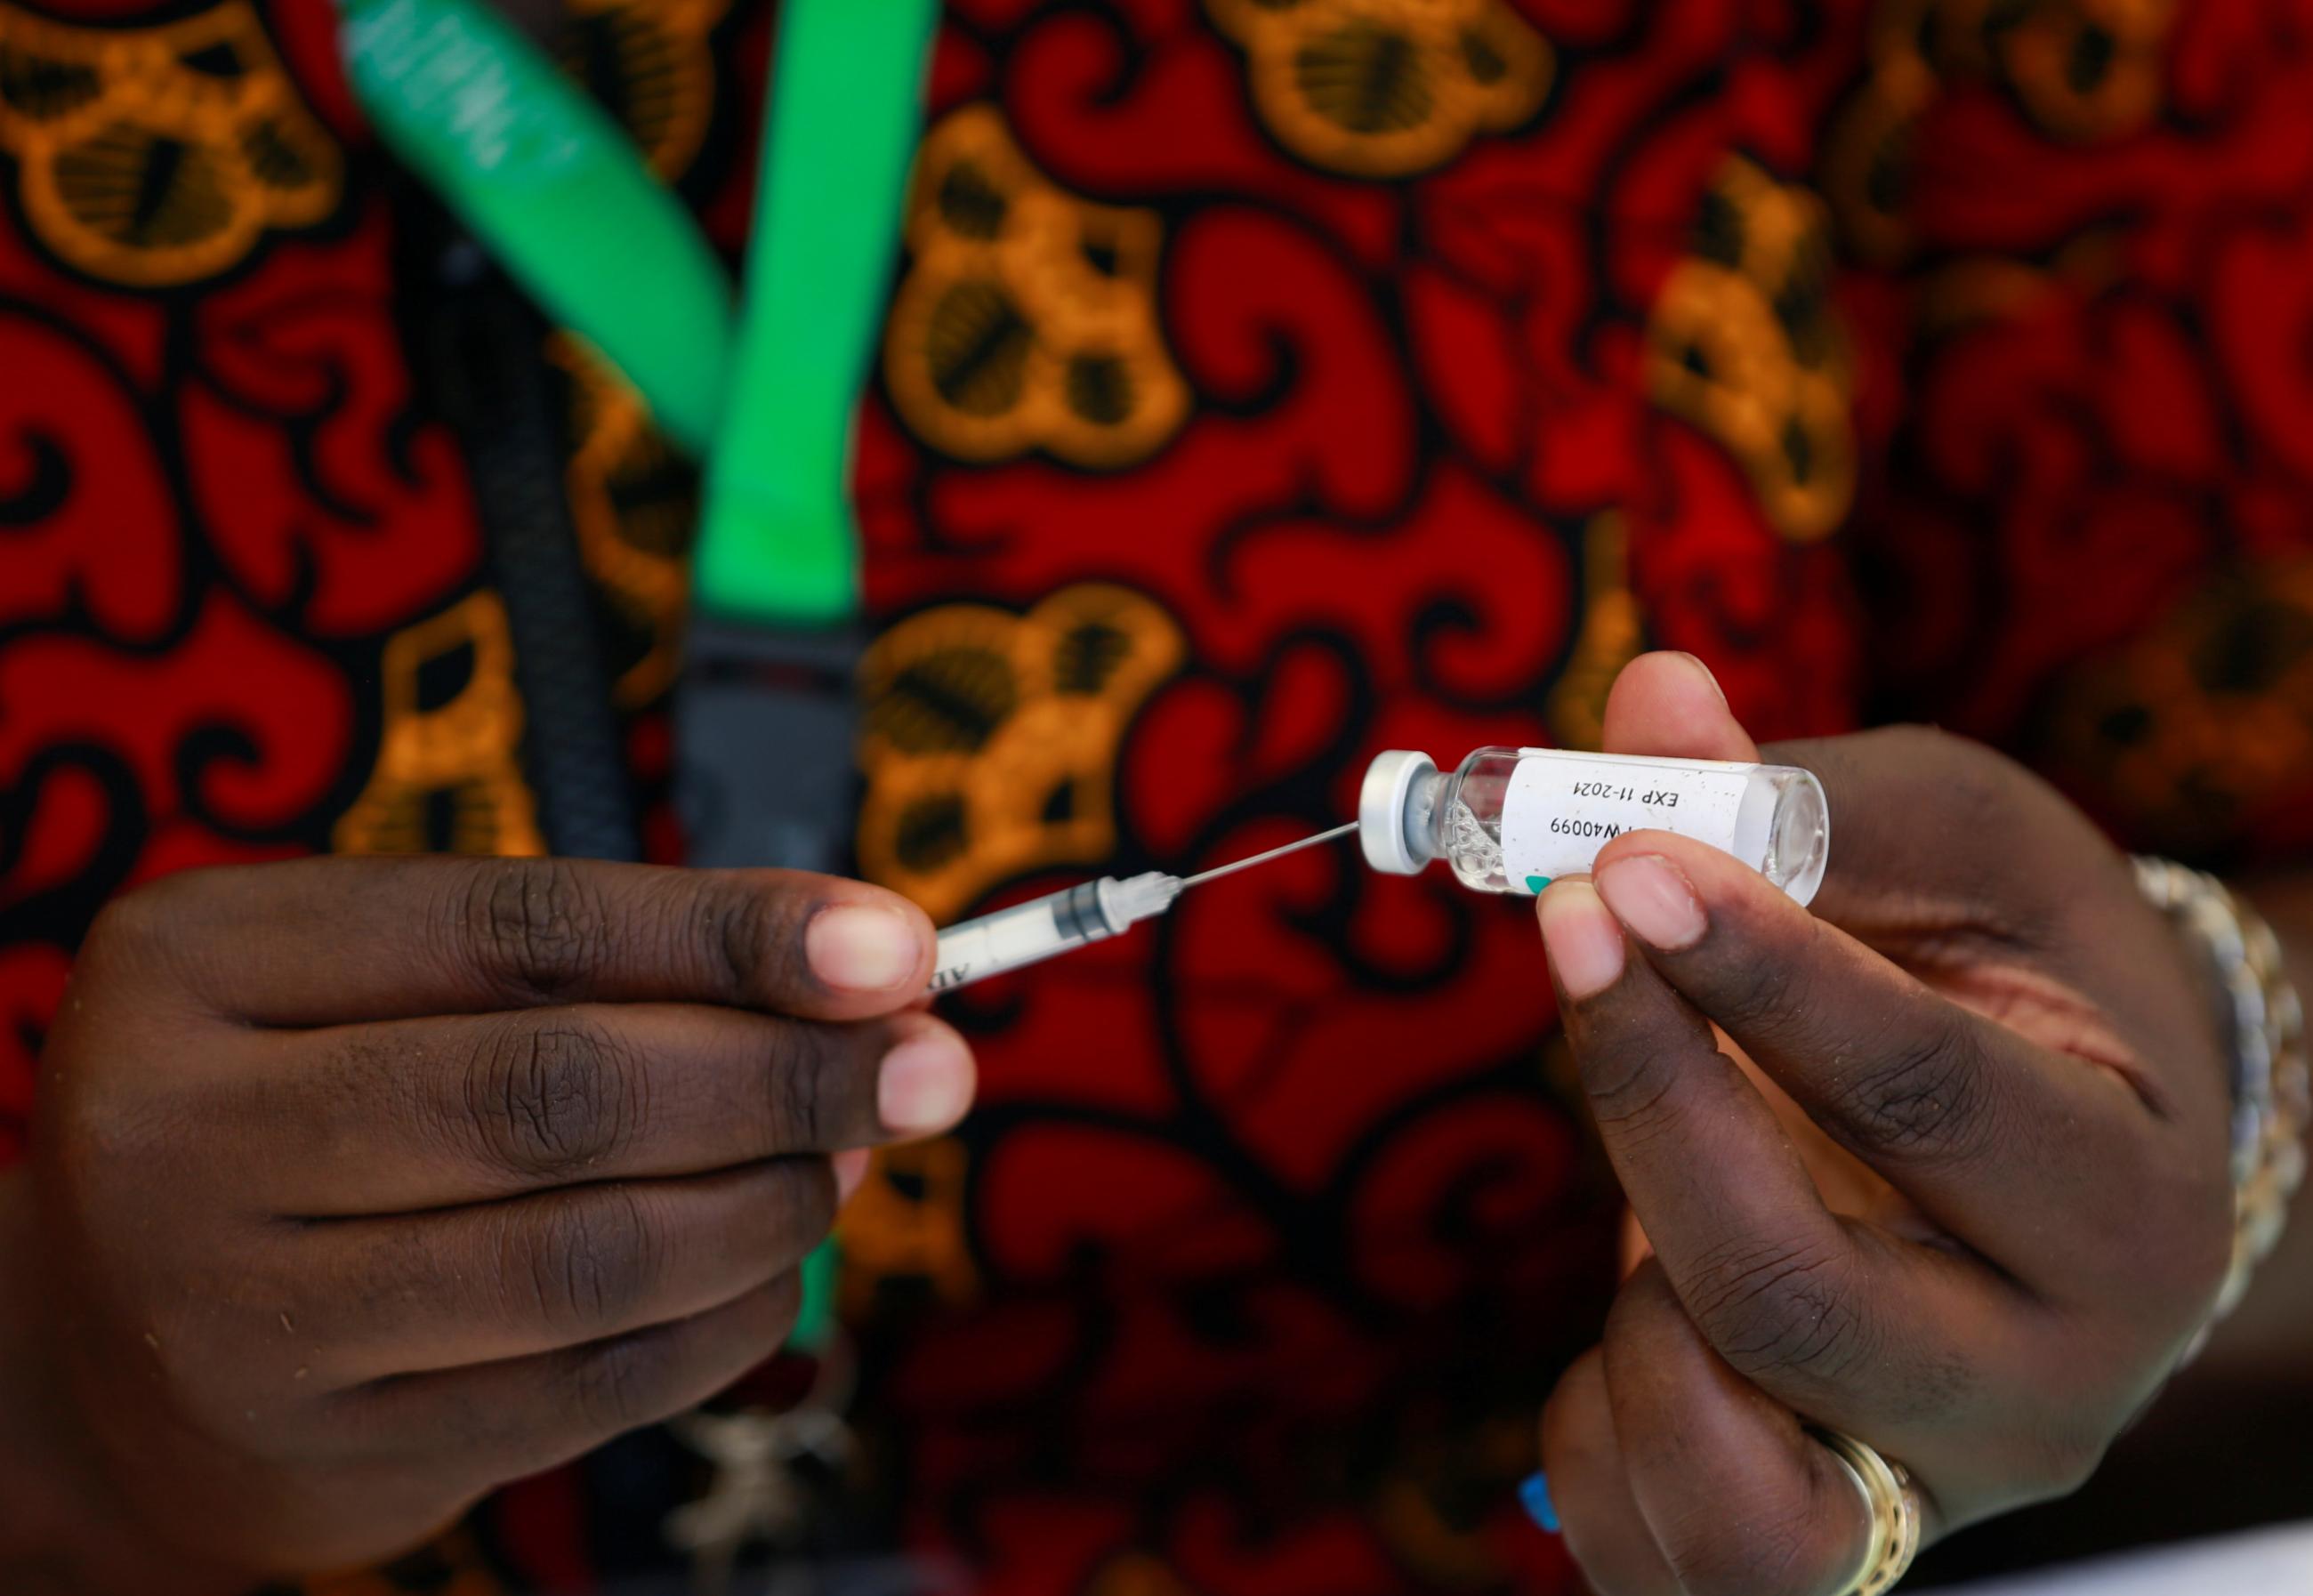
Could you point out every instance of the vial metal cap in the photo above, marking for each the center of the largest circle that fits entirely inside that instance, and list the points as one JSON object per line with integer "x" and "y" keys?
{"x": 1381, "y": 804}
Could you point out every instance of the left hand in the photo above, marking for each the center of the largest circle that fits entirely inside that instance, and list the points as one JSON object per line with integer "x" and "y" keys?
{"x": 1962, "y": 1194}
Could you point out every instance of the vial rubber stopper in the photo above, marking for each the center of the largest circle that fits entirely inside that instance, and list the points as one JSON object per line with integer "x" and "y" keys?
{"x": 1385, "y": 811}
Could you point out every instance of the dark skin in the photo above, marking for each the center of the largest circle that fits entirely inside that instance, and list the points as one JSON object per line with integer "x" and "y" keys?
{"x": 1941, "y": 1164}
{"x": 362, "y": 1187}
{"x": 555, "y": 1183}
{"x": 359, "y": 1188}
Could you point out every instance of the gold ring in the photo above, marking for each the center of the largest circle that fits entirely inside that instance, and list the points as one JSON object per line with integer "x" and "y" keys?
{"x": 1891, "y": 1504}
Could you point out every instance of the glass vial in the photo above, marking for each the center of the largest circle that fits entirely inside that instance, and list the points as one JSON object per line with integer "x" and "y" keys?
{"x": 1513, "y": 819}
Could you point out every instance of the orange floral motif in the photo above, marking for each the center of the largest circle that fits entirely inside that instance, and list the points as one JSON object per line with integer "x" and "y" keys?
{"x": 1743, "y": 343}
{"x": 991, "y": 738}
{"x": 2200, "y": 727}
{"x": 2084, "y": 69}
{"x": 1028, "y": 318}
{"x": 2081, "y": 69}
{"x": 1611, "y": 636}
{"x": 446, "y": 778}
{"x": 906, "y": 1224}
{"x": 1386, "y": 88}
{"x": 650, "y": 64}
{"x": 157, "y": 156}
{"x": 1450, "y": 1556}
{"x": 635, "y": 502}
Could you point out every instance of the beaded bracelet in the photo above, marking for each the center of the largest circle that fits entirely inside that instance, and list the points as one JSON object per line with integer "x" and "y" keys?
{"x": 2273, "y": 1090}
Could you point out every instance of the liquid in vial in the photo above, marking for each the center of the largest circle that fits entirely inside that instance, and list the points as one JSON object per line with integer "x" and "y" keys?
{"x": 1515, "y": 819}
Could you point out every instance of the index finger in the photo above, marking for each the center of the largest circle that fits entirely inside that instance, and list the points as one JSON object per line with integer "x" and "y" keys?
{"x": 326, "y": 940}
{"x": 1793, "y": 1297}
{"x": 1994, "y": 1135}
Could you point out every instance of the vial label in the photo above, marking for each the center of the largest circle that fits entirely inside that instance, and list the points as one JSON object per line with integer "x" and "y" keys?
{"x": 1560, "y": 809}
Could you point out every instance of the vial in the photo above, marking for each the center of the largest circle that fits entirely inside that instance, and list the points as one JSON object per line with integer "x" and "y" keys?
{"x": 1514, "y": 819}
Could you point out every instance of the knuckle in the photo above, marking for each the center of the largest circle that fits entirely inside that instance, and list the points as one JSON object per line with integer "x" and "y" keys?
{"x": 1630, "y": 1091}
{"x": 1925, "y": 1095}
{"x": 803, "y": 1196}
{"x": 642, "y": 1377}
{"x": 803, "y": 1080}
{"x": 586, "y": 1264}
{"x": 555, "y": 1098}
{"x": 616, "y": 1385}
{"x": 742, "y": 939}
{"x": 1760, "y": 994}
{"x": 743, "y": 936}
{"x": 1775, "y": 1309}
{"x": 539, "y": 925}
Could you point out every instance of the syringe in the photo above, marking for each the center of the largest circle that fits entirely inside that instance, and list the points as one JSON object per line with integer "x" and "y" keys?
{"x": 1028, "y": 933}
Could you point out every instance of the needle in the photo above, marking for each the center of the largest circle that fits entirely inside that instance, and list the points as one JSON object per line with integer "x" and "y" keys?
{"x": 1247, "y": 863}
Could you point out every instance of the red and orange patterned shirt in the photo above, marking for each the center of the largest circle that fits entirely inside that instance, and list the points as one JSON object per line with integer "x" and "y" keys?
{"x": 1265, "y": 383}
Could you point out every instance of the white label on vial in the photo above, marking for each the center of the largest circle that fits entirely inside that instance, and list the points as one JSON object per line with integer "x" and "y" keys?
{"x": 1560, "y": 809}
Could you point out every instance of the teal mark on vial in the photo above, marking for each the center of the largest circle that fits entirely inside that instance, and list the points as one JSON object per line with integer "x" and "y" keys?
{"x": 1534, "y": 884}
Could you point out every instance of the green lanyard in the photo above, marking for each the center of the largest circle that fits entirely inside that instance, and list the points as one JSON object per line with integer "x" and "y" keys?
{"x": 846, "y": 108}
{"x": 562, "y": 197}
{"x": 766, "y": 397}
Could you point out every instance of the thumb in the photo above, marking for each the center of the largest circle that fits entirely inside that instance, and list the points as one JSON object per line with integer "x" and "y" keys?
{"x": 1669, "y": 705}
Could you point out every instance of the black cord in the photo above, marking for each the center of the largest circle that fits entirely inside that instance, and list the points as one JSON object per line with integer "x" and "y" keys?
{"x": 491, "y": 384}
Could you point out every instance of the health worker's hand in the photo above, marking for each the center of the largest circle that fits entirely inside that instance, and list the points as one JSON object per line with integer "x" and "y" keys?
{"x": 1940, "y": 1164}
{"x": 359, "y": 1188}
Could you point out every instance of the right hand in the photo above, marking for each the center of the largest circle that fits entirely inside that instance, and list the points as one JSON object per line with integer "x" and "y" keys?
{"x": 359, "y": 1188}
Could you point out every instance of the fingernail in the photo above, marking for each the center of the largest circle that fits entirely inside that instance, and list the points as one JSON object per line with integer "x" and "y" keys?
{"x": 851, "y": 1170}
{"x": 1534, "y": 1496}
{"x": 925, "y": 1083}
{"x": 1583, "y": 943}
{"x": 1652, "y": 896}
{"x": 861, "y": 947}
{"x": 1704, "y": 672}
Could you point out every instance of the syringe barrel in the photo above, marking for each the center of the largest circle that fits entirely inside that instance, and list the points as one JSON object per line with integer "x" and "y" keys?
{"x": 1024, "y": 934}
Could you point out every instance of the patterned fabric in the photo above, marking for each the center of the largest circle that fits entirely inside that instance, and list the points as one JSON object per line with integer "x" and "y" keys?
{"x": 1266, "y": 383}
{"x": 1252, "y": 401}
{"x": 2091, "y": 542}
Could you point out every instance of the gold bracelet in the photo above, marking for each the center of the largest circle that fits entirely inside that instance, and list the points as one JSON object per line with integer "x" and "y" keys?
{"x": 1891, "y": 1504}
{"x": 2272, "y": 1089}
